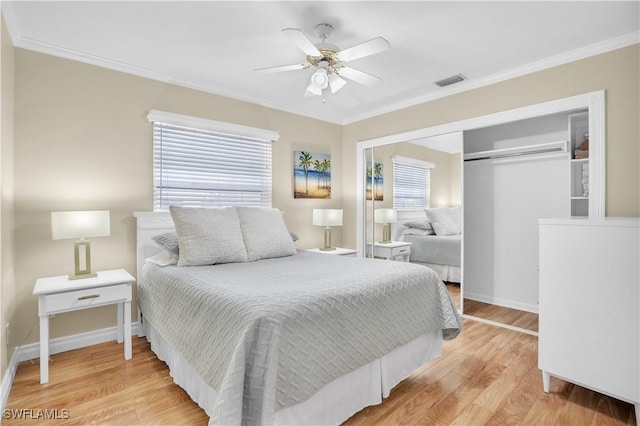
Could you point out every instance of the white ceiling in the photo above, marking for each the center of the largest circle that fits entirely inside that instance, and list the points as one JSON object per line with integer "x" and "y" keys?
{"x": 215, "y": 46}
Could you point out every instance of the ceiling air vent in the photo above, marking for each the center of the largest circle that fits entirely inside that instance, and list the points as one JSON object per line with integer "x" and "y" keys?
{"x": 451, "y": 80}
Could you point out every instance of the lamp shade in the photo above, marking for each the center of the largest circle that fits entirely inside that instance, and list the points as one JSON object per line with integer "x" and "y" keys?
{"x": 385, "y": 216}
{"x": 80, "y": 224}
{"x": 336, "y": 83}
{"x": 327, "y": 217}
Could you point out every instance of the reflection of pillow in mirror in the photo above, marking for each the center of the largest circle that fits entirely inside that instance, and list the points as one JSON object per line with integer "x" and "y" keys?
{"x": 456, "y": 216}
{"x": 208, "y": 235}
{"x": 425, "y": 225}
{"x": 442, "y": 222}
{"x": 265, "y": 233}
{"x": 416, "y": 231}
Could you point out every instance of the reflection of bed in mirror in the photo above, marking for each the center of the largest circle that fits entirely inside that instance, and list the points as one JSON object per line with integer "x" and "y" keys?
{"x": 442, "y": 253}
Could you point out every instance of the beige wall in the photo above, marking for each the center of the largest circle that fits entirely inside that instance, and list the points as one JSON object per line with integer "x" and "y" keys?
{"x": 617, "y": 72}
{"x": 7, "y": 278}
{"x": 83, "y": 143}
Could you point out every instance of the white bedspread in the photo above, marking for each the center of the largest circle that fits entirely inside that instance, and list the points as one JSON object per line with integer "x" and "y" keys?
{"x": 268, "y": 334}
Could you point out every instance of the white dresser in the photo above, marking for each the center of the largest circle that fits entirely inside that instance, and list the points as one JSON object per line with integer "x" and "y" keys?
{"x": 589, "y": 331}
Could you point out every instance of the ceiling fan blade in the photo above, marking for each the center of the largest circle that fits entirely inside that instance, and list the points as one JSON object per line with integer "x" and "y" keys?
{"x": 375, "y": 45}
{"x": 299, "y": 39}
{"x": 283, "y": 68}
{"x": 359, "y": 76}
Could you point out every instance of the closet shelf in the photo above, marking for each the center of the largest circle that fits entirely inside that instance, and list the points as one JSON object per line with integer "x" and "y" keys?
{"x": 541, "y": 148}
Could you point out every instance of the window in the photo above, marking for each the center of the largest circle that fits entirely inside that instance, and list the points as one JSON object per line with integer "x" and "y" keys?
{"x": 204, "y": 163}
{"x": 411, "y": 183}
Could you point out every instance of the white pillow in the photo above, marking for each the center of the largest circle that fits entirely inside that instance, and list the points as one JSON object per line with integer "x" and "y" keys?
{"x": 442, "y": 222}
{"x": 265, "y": 233}
{"x": 456, "y": 216}
{"x": 208, "y": 236}
{"x": 164, "y": 258}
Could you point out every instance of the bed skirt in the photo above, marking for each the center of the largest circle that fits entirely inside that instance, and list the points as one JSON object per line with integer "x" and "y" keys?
{"x": 331, "y": 405}
{"x": 446, "y": 273}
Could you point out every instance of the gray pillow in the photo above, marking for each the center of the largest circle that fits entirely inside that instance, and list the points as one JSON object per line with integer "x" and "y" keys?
{"x": 265, "y": 233}
{"x": 168, "y": 241}
{"x": 425, "y": 225}
{"x": 442, "y": 222}
{"x": 208, "y": 236}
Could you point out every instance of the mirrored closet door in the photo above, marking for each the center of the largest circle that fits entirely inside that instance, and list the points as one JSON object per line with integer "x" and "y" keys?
{"x": 400, "y": 181}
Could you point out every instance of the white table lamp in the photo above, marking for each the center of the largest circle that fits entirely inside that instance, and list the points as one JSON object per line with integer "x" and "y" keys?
{"x": 327, "y": 218}
{"x": 386, "y": 217}
{"x": 80, "y": 225}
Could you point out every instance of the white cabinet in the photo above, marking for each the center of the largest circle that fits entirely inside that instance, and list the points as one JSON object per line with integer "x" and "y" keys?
{"x": 589, "y": 331}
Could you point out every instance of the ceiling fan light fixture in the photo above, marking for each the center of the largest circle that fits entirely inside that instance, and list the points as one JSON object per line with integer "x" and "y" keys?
{"x": 312, "y": 90}
{"x": 336, "y": 82}
{"x": 320, "y": 78}
{"x": 330, "y": 61}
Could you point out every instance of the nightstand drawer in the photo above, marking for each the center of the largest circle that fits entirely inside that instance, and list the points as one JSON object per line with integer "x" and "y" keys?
{"x": 81, "y": 299}
{"x": 399, "y": 251}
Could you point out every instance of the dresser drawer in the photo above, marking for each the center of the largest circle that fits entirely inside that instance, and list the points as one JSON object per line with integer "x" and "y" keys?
{"x": 87, "y": 298}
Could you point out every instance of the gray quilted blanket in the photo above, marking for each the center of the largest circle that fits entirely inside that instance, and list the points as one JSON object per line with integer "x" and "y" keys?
{"x": 268, "y": 334}
{"x": 439, "y": 249}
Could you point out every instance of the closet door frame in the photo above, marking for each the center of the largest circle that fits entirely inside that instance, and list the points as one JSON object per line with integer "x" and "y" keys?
{"x": 594, "y": 102}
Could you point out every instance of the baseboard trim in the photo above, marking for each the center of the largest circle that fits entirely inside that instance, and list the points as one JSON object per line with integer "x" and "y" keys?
{"x": 57, "y": 345}
{"x": 502, "y": 302}
{"x": 7, "y": 380}
{"x": 501, "y": 324}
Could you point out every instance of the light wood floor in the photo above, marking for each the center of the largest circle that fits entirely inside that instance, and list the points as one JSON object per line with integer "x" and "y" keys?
{"x": 513, "y": 317}
{"x": 487, "y": 375}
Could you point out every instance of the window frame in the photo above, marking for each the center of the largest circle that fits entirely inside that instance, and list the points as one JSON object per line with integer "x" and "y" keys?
{"x": 182, "y": 126}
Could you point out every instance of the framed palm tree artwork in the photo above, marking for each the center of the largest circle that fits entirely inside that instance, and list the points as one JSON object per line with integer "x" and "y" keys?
{"x": 375, "y": 181}
{"x": 311, "y": 175}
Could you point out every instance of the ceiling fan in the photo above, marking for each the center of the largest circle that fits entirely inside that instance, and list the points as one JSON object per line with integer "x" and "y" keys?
{"x": 331, "y": 63}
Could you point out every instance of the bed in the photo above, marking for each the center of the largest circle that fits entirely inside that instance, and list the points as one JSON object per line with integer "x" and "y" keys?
{"x": 278, "y": 340}
{"x": 441, "y": 253}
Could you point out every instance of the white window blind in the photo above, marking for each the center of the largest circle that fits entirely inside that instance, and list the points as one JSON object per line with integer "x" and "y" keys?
{"x": 201, "y": 167}
{"x": 411, "y": 183}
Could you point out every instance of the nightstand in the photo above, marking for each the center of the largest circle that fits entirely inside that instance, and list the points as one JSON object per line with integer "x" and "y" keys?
{"x": 339, "y": 251}
{"x": 391, "y": 251}
{"x": 57, "y": 295}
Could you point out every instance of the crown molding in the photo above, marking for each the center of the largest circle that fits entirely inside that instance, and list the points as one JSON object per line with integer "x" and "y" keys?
{"x": 550, "y": 62}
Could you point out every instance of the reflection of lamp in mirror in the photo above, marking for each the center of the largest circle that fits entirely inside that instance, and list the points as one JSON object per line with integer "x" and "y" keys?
{"x": 386, "y": 217}
{"x": 80, "y": 225}
{"x": 327, "y": 218}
